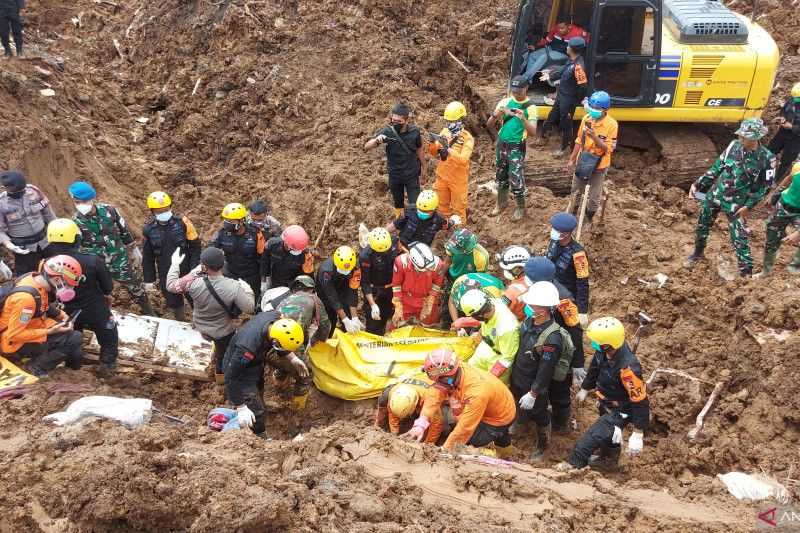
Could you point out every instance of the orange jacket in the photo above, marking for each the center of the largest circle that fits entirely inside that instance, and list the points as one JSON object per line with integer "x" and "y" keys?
{"x": 479, "y": 397}
{"x": 513, "y": 297}
{"x": 437, "y": 423}
{"x": 17, "y": 321}
{"x": 456, "y": 166}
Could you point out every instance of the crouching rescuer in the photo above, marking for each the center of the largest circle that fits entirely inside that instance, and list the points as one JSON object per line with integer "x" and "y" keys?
{"x": 401, "y": 403}
{"x": 265, "y": 338}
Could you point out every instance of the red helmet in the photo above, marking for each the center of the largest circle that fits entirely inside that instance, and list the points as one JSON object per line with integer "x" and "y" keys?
{"x": 294, "y": 237}
{"x": 441, "y": 362}
{"x": 65, "y": 267}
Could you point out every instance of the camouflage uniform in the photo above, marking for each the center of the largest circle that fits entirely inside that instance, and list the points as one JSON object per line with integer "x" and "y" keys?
{"x": 510, "y": 162}
{"x": 105, "y": 233}
{"x": 737, "y": 179}
{"x": 777, "y": 223}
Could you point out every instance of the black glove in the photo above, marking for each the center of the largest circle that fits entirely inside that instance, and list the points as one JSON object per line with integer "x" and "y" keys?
{"x": 776, "y": 196}
{"x": 443, "y": 153}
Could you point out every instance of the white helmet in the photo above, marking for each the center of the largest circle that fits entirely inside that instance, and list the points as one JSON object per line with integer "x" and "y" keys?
{"x": 543, "y": 294}
{"x": 421, "y": 256}
{"x": 514, "y": 256}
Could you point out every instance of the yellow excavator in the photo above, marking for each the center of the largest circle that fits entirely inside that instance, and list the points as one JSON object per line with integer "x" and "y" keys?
{"x": 664, "y": 63}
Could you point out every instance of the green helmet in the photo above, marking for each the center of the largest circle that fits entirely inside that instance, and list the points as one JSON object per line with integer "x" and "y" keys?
{"x": 302, "y": 282}
{"x": 752, "y": 128}
{"x": 463, "y": 241}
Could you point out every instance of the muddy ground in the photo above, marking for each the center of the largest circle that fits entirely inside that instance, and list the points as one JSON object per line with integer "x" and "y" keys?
{"x": 239, "y": 99}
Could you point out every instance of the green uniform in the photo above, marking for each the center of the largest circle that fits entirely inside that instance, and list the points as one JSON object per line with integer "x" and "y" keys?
{"x": 307, "y": 309}
{"x": 490, "y": 284}
{"x": 500, "y": 343}
{"x": 737, "y": 179}
{"x": 475, "y": 261}
{"x": 510, "y": 150}
{"x": 787, "y": 211}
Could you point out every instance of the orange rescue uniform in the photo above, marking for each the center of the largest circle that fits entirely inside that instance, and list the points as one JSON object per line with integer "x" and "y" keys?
{"x": 452, "y": 174}
{"x": 607, "y": 129}
{"x": 437, "y": 422}
{"x": 479, "y": 397}
{"x": 20, "y": 322}
{"x": 513, "y": 297}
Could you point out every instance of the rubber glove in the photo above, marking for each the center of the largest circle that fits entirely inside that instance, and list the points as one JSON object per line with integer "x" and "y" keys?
{"x": 380, "y": 138}
{"x": 584, "y": 320}
{"x": 578, "y": 375}
{"x": 177, "y": 257}
{"x": 359, "y": 325}
{"x": 454, "y": 220}
{"x": 527, "y": 401}
{"x": 415, "y": 433}
{"x": 375, "y": 312}
{"x": 635, "y": 443}
{"x": 245, "y": 416}
{"x": 298, "y": 365}
{"x": 616, "y": 438}
{"x": 264, "y": 286}
{"x": 136, "y": 254}
{"x": 149, "y": 287}
{"x": 581, "y": 396}
{"x": 16, "y": 249}
{"x": 462, "y": 332}
{"x": 5, "y": 272}
{"x": 350, "y": 326}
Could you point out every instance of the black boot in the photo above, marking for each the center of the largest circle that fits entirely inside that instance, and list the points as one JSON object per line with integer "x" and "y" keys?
{"x": 180, "y": 313}
{"x": 693, "y": 259}
{"x": 561, "y": 423}
{"x": 607, "y": 459}
{"x": 543, "y": 440}
{"x": 144, "y": 305}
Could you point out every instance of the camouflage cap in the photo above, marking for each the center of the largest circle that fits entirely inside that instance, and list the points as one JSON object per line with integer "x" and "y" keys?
{"x": 463, "y": 241}
{"x": 752, "y": 128}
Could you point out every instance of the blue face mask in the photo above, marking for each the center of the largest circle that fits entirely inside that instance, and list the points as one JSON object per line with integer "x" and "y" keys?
{"x": 596, "y": 347}
{"x": 595, "y": 113}
{"x": 449, "y": 381}
{"x": 423, "y": 215}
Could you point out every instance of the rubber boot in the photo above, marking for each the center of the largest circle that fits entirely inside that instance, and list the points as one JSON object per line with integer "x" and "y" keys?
{"x": 543, "y": 440}
{"x": 106, "y": 370}
{"x": 219, "y": 379}
{"x": 769, "y": 264}
{"x": 299, "y": 402}
{"x": 502, "y": 202}
{"x": 696, "y": 256}
{"x": 607, "y": 459}
{"x": 518, "y": 427}
{"x": 487, "y": 452}
{"x": 179, "y": 313}
{"x": 397, "y": 212}
{"x": 794, "y": 266}
{"x": 144, "y": 305}
{"x": 561, "y": 423}
{"x": 519, "y": 212}
{"x": 504, "y": 452}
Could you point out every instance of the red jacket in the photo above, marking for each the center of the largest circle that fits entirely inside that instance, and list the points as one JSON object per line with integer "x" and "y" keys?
{"x": 573, "y": 31}
{"x": 413, "y": 286}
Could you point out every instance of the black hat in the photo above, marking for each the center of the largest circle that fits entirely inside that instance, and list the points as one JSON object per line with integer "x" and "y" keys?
{"x": 212, "y": 258}
{"x": 577, "y": 43}
{"x": 401, "y": 109}
{"x": 519, "y": 82}
{"x": 13, "y": 180}
{"x": 258, "y": 207}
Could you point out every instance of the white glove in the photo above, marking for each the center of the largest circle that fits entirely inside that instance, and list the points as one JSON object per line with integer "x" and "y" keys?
{"x": 350, "y": 325}
{"x": 635, "y": 443}
{"x": 454, "y": 220}
{"x": 264, "y": 286}
{"x": 527, "y": 401}
{"x": 578, "y": 375}
{"x": 299, "y": 365}
{"x": 616, "y": 438}
{"x": 375, "y": 312}
{"x": 581, "y": 396}
{"x": 136, "y": 254}
{"x": 584, "y": 320}
{"x": 5, "y": 272}
{"x": 359, "y": 325}
{"x": 380, "y": 139}
{"x": 16, "y": 249}
{"x": 149, "y": 287}
{"x": 177, "y": 257}
{"x": 245, "y": 416}
{"x": 462, "y": 333}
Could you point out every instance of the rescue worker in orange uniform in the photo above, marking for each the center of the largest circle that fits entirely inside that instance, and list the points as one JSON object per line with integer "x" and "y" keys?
{"x": 453, "y": 146}
{"x": 482, "y": 404}
{"x": 512, "y": 262}
{"x": 417, "y": 285}
{"x": 33, "y": 327}
{"x": 403, "y": 400}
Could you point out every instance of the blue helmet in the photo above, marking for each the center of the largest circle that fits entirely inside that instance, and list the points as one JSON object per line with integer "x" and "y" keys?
{"x": 600, "y": 100}
{"x": 563, "y": 221}
{"x": 540, "y": 268}
{"x": 80, "y": 190}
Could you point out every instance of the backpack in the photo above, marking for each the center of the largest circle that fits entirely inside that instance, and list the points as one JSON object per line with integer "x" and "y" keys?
{"x": 567, "y": 349}
{"x": 10, "y": 287}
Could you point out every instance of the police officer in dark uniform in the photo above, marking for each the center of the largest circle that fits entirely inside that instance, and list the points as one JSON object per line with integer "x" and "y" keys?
{"x": 534, "y": 380}
{"x": 542, "y": 269}
{"x": 92, "y": 294}
{"x": 571, "y": 90}
{"x": 787, "y": 140}
{"x": 617, "y": 375}
{"x": 162, "y": 235}
{"x": 258, "y": 214}
{"x": 243, "y": 245}
{"x": 572, "y": 265}
{"x": 377, "y": 266}
{"x": 421, "y": 222}
{"x": 286, "y": 257}
{"x": 338, "y": 279}
{"x": 246, "y": 358}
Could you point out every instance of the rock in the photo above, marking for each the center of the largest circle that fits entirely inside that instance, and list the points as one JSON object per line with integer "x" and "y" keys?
{"x": 251, "y": 81}
{"x": 368, "y": 507}
{"x": 279, "y": 23}
{"x": 47, "y": 92}
{"x": 664, "y": 255}
{"x": 84, "y": 99}
{"x": 220, "y": 94}
{"x": 758, "y": 309}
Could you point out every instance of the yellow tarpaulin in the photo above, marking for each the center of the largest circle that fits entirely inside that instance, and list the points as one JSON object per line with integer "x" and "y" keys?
{"x": 359, "y": 366}
{"x": 13, "y": 376}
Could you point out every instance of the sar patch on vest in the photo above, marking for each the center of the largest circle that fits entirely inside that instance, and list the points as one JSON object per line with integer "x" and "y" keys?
{"x": 581, "y": 264}
{"x": 636, "y": 388}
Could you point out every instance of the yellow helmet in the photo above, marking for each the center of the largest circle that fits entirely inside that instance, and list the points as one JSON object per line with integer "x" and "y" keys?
{"x": 344, "y": 258}
{"x": 427, "y": 200}
{"x": 403, "y": 400}
{"x": 796, "y": 169}
{"x": 380, "y": 240}
{"x": 454, "y": 111}
{"x": 62, "y": 230}
{"x": 606, "y": 331}
{"x": 796, "y": 90}
{"x": 234, "y": 211}
{"x": 474, "y": 302}
{"x": 158, "y": 199}
{"x": 287, "y": 333}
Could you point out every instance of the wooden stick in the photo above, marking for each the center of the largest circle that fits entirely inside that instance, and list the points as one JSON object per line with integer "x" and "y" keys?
{"x": 481, "y": 23}
{"x": 454, "y": 58}
{"x": 602, "y": 216}
{"x": 701, "y": 416}
{"x": 584, "y": 201}
{"x": 119, "y": 49}
{"x": 196, "y": 85}
{"x": 328, "y": 212}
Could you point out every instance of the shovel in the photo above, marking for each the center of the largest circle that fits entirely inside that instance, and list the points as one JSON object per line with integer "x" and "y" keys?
{"x": 644, "y": 321}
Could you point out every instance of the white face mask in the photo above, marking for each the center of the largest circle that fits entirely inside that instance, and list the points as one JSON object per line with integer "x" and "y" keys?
{"x": 508, "y": 275}
{"x": 84, "y": 209}
{"x": 555, "y": 235}
{"x": 343, "y": 272}
{"x": 164, "y": 217}
{"x": 295, "y": 252}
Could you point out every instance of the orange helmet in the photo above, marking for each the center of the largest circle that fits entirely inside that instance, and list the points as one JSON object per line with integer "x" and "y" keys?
{"x": 65, "y": 267}
{"x": 441, "y": 362}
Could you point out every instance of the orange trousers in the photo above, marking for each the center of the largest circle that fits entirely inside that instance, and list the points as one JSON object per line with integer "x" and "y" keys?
{"x": 452, "y": 196}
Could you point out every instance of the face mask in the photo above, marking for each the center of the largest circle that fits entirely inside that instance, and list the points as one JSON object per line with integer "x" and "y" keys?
{"x": 295, "y": 252}
{"x": 423, "y": 215}
{"x": 449, "y": 381}
{"x": 595, "y": 113}
{"x": 455, "y": 127}
{"x": 796, "y": 99}
{"x": 596, "y": 347}
{"x": 257, "y": 223}
{"x": 230, "y": 226}
{"x": 508, "y": 275}
{"x": 84, "y": 209}
{"x": 64, "y": 293}
{"x": 343, "y": 271}
{"x": 555, "y": 235}
{"x": 16, "y": 195}
{"x": 164, "y": 217}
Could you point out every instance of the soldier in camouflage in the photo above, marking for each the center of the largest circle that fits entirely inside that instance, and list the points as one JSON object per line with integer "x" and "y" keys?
{"x": 105, "y": 233}
{"x": 734, "y": 184}
{"x": 786, "y": 213}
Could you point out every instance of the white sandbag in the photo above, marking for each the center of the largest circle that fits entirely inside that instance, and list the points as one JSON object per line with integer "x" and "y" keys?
{"x": 746, "y": 487}
{"x": 131, "y": 412}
